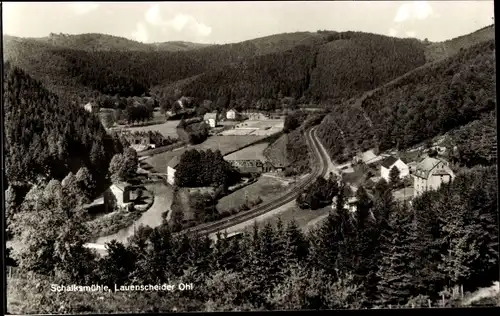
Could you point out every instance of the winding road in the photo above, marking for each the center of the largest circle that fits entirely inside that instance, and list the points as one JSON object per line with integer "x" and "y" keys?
{"x": 321, "y": 166}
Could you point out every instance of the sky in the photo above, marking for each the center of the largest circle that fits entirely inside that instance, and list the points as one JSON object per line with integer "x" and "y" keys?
{"x": 230, "y": 22}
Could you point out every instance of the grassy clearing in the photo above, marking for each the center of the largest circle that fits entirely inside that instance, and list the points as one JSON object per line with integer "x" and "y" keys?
{"x": 301, "y": 217}
{"x": 251, "y": 152}
{"x": 167, "y": 129}
{"x": 266, "y": 188}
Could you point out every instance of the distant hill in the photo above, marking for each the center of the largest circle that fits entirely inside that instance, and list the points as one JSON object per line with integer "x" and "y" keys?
{"x": 323, "y": 67}
{"x": 436, "y": 51}
{"x": 104, "y": 42}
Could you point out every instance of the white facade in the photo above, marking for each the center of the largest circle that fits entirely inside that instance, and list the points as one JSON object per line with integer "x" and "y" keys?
{"x": 403, "y": 168}
{"x": 121, "y": 195}
{"x": 170, "y": 175}
{"x": 231, "y": 114}
{"x": 430, "y": 174}
{"x": 211, "y": 122}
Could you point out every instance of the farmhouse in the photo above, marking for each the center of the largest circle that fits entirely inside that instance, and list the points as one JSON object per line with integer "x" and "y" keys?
{"x": 232, "y": 114}
{"x": 430, "y": 173}
{"x": 391, "y": 162}
{"x": 121, "y": 192}
{"x": 211, "y": 119}
{"x": 91, "y": 107}
{"x": 172, "y": 164}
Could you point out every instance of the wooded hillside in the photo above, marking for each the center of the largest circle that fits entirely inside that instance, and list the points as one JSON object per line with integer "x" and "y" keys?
{"x": 428, "y": 102}
{"x": 47, "y": 138}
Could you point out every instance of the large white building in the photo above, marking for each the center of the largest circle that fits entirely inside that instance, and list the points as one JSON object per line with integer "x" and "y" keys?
{"x": 391, "y": 162}
{"x": 430, "y": 174}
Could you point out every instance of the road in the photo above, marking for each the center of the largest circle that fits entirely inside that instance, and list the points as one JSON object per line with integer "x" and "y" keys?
{"x": 243, "y": 219}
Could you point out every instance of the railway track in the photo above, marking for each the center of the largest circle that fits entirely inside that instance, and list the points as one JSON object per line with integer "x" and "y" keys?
{"x": 319, "y": 168}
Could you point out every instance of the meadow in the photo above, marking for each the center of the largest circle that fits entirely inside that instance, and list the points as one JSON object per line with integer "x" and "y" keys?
{"x": 266, "y": 188}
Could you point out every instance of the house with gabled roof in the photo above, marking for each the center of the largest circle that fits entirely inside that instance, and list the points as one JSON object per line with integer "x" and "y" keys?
{"x": 211, "y": 119}
{"x": 430, "y": 174}
{"x": 393, "y": 162}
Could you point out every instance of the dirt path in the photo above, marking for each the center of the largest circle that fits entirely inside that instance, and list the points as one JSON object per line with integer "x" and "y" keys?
{"x": 491, "y": 291}
{"x": 315, "y": 222}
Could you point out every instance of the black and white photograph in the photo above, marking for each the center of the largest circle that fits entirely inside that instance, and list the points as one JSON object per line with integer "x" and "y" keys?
{"x": 249, "y": 156}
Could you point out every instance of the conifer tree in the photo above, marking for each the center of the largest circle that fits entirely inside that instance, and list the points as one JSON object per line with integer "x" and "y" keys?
{"x": 396, "y": 266}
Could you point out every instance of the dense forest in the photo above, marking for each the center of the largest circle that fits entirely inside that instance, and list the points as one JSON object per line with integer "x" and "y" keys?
{"x": 440, "y": 97}
{"x": 45, "y": 138}
{"x": 349, "y": 64}
{"x": 352, "y": 260}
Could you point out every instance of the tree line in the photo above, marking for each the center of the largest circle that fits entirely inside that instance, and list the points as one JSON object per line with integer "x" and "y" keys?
{"x": 385, "y": 254}
{"x": 204, "y": 168}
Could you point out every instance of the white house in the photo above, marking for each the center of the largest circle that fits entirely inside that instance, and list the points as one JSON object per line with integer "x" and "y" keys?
{"x": 121, "y": 191}
{"x": 231, "y": 114}
{"x": 211, "y": 119}
{"x": 172, "y": 164}
{"x": 430, "y": 174}
{"x": 391, "y": 162}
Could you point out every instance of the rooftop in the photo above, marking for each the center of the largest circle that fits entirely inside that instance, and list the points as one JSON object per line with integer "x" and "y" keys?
{"x": 210, "y": 116}
{"x": 389, "y": 161}
{"x": 121, "y": 185}
{"x": 173, "y": 162}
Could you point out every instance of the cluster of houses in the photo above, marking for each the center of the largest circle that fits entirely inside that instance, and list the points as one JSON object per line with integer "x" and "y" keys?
{"x": 428, "y": 174}
{"x": 213, "y": 118}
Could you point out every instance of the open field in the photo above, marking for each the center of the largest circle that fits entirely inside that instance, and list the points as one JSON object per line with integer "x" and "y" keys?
{"x": 254, "y": 152}
{"x": 167, "y": 129}
{"x": 266, "y": 188}
{"x": 256, "y": 127}
{"x": 225, "y": 144}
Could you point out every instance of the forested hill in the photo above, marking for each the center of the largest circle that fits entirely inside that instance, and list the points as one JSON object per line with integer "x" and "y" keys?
{"x": 93, "y": 64}
{"x": 320, "y": 67}
{"x": 429, "y": 101}
{"x": 440, "y": 50}
{"x": 342, "y": 66}
{"x": 46, "y": 139}
{"x": 104, "y": 42}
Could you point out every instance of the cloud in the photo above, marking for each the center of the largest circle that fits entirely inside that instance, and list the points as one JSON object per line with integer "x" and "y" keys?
{"x": 393, "y": 32}
{"x": 411, "y": 33}
{"x": 141, "y": 33}
{"x": 82, "y": 8}
{"x": 180, "y": 22}
{"x": 418, "y": 10}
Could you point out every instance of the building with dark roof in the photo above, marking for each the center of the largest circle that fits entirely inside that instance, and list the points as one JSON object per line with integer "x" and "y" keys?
{"x": 393, "y": 162}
